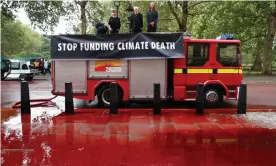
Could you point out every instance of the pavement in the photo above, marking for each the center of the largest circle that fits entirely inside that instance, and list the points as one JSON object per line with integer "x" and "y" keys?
{"x": 136, "y": 137}
{"x": 259, "y": 79}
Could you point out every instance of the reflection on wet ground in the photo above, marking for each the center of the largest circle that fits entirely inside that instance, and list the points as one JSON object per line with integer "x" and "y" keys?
{"x": 136, "y": 137}
{"x": 175, "y": 138}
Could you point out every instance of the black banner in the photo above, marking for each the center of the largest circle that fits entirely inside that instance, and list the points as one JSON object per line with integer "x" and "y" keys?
{"x": 117, "y": 46}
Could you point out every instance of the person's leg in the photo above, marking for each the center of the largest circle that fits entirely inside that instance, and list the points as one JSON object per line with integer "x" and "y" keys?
{"x": 155, "y": 28}
{"x": 150, "y": 28}
{"x": 42, "y": 68}
{"x": 139, "y": 30}
{"x": 114, "y": 32}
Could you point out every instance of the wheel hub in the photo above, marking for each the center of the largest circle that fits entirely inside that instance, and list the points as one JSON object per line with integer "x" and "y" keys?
{"x": 212, "y": 96}
{"x": 106, "y": 96}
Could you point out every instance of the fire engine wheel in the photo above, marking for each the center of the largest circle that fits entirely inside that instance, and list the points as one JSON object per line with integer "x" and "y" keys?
{"x": 213, "y": 97}
{"x": 104, "y": 96}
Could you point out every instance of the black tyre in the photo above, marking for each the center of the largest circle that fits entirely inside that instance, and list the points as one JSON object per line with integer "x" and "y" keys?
{"x": 29, "y": 78}
{"x": 104, "y": 96}
{"x": 213, "y": 97}
{"x": 2, "y": 76}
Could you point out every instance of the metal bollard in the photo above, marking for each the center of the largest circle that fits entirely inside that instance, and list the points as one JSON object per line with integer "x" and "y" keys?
{"x": 69, "y": 102}
{"x": 113, "y": 109}
{"x": 156, "y": 99}
{"x": 25, "y": 98}
{"x": 242, "y": 104}
{"x": 200, "y": 99}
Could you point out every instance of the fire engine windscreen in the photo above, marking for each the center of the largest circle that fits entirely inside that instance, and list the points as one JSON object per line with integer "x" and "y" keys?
{"x": 121, "y": 46}
{"x": 228, "y": 55}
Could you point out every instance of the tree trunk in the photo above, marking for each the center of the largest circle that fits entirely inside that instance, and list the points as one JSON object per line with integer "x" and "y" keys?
{"x": 183, "y": 28}
{"x": 257, "y": 66}
{"x": 268, "y": 50}
{"x": 182, "y": 22}
{"x": 83, "y": 17}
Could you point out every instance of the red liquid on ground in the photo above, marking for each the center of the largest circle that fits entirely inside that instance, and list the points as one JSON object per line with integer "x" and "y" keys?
{"x": 136, "y": 138}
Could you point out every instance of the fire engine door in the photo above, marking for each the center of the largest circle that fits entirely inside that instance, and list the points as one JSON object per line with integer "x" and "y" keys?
{"x": 197, "y": 68}
{"x": 143, "y": 74}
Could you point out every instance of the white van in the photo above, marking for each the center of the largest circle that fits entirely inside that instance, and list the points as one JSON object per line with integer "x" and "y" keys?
{"x": 17, "y": 69}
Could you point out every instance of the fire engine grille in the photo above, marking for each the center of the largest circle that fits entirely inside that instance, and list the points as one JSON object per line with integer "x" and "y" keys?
{"x": 74, "y": 71}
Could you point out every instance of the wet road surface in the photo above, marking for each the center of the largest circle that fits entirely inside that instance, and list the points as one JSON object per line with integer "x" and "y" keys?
{"x": 136, "y": 137}
{"x": 258, "y": 95}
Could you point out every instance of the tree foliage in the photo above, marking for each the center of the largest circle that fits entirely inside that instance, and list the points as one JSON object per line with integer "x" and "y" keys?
{"x": 252, "y": 22}
{"x": 247, "y": 20}
{"x": 45, "y": 14}
{"x": 17, "y": 38}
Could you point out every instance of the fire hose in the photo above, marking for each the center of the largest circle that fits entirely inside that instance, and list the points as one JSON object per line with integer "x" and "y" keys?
{"x": 41, "y": 103}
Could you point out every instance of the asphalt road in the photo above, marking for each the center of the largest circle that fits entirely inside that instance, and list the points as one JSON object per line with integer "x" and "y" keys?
{"x": 259, "y": 94}
{"x": 47, "y": 136}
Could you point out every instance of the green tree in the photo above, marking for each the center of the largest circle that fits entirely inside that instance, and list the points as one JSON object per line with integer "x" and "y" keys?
{"x": 45, "y": 14}
{"x": 269, "y": 11}
{"x": 247, "y": 20}
{"x": 181, "y": 10}
{"x": 17, "y": 38}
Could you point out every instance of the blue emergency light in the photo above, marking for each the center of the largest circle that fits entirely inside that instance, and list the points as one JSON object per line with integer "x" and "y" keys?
{"x": 226, "y": 37}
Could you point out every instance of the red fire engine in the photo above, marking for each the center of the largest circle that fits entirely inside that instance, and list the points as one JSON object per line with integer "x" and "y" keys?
{"x": 214, "y": 62}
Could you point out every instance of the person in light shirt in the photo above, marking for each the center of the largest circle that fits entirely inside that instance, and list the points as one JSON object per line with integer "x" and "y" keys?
{"x": 46, "y": 66}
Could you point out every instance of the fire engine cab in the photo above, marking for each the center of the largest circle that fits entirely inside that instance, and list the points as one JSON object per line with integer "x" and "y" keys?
{"x": 214, "y": 62}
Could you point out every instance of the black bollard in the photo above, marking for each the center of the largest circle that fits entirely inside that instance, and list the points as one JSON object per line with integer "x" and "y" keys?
{"x": 69, "y": 102}
{"x": 113, "y": 109}
{"x": 242, "y": 104}
{"x": 25, "y": 98}
{"x": 200, "y": 99}
{"x": 156, "y": 99}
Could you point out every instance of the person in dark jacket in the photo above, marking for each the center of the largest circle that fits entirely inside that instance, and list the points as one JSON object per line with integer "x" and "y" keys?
{"x": 114, "y": 23}
{"x": 152, "y": 18}
{"x": 136, "y": 21}
{"x": 101, "y": 29}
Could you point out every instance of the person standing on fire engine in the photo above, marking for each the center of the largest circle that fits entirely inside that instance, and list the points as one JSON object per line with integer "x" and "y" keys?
{"x": 136, "y": 21}
{"x": 114, "y": 23}
{"x": 152, "y": 18}
{"x": 101, "y": 29}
